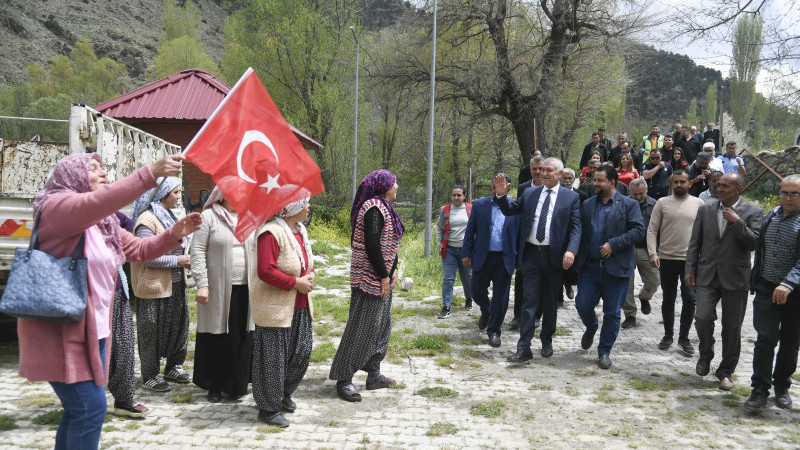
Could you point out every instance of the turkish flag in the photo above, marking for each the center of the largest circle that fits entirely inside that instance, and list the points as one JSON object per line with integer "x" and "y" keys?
{"x": 253, "y": 156}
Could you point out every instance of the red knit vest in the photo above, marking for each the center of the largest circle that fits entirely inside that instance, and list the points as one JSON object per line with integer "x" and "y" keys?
{"x": 363, "y": 277}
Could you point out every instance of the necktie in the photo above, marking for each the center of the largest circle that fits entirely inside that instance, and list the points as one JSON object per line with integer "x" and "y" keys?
{"x": 543, "y": 216}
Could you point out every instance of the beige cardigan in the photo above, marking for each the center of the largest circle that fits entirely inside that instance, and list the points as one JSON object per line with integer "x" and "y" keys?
{"x": 270, "y": 306}
{"x": 212, "y": 255}
{"x": 150, "y": 282}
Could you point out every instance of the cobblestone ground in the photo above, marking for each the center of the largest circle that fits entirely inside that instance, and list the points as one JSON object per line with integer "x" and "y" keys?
{"x": 455, "y": 391}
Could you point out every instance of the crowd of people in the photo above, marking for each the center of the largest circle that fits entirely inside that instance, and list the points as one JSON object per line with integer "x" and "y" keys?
{"x": 674, "y": 211}
{"x": 665, "y": 211}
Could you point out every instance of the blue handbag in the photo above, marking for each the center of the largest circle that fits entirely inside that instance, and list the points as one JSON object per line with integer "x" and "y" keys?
{"x": 43, "y": 287}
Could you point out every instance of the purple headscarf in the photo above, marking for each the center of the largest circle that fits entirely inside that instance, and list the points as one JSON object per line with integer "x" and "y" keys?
{"x": 375, "y": 184}
{"x": 71, "y": 174}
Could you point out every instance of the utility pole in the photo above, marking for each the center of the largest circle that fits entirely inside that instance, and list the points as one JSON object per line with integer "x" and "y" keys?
{"x": 429, "y": 190}
{"x": 355, "y": 122}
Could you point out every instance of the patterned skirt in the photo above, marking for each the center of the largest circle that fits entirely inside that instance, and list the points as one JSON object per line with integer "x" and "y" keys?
{"x": 121, "y": 371}
{"x": 222, "y": 361}
{"x": 365, "y": 339}
{"x": 163, "y": 328}
{"x": 280, "y": 360}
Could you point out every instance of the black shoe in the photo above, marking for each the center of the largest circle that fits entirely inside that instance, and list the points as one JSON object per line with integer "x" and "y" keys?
{"x": 521, "y": 356}
{"x": 703, "y": 366}
{"x": 604, "y": 362}
{"x": 468, "y": 304}
{"x": 275, "y": 419}
{"x": 444, "y": 313}
{"x": 214, "y": 396}
{"x": 666, "y": 342}
{"x": 588, "y": 338}
{"x": 629, "y": 322}
{"x": 686, "y": 345}
{"x": 756, "y": 402}
{"x": 645, "y": 307}
{"x": 547, "y": 350}
{"x": 494, "y": 340}
{"x": 348, "y": 392}
{"x": 514, "y": 324}
{"x": 483, "y": 322}
{"x": 570, "y": 292}
{"x": 288, "y": 405}
{"x": 782, "y": 399}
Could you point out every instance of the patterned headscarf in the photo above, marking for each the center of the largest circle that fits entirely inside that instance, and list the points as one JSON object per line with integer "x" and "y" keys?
{"x": 152, "y": 201}
{"x": 71, "y": 174}
{"x": 215, "y": 203}
{"x": 375, "y": 184}
{"x": 288, "y": 211}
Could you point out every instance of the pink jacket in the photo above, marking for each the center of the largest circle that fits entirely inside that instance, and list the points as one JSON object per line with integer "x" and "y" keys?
{"x": 69, "y": 352}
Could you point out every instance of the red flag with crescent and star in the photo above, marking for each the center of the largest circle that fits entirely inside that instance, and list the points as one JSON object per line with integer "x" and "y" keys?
{"x": 253, "y": 156}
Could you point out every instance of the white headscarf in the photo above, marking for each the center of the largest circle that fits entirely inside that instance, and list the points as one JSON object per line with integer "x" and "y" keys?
{"x": 288, "y": 211}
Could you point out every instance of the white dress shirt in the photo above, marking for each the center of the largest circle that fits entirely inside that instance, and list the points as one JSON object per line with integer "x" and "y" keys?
{"x": 553, "y": 196}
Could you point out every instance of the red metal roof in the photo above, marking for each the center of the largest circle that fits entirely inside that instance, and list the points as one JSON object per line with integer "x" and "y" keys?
{"x": 191, "y": 94}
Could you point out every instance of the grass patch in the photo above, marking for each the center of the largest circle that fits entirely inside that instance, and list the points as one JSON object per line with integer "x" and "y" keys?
{"x": 109, "y": 428}
{"x": 37, "y": 400}
{"x": 442, "y": 325}
{"x": 441, "y": 428}
{"x": 330, "y": 305}
{"x": 320, "y": 247}
{"x": 49, "y": 418}
{"x": 623, "y": 431}
{"x": 684, "y": 374}
{"x": 161, "y": 430}
{"x": 132, "y": 426}
{"x": 733, "y": 403}
{"x": 322, "y": 352}
{"x": 445, "y": 361}
{"x": 181, "y": 397}
{"x": 426, "y": 272}
{"x": 490, "y": 409}
{"x": 541, "y": 387}
{"x": 323, "y": 329}
{"x": 269, "y": 429}
{"x": 432, "y": 343}
{"x": 7, "y": 423}
{"x": 469, "y": 353}
{"x": 401, "y": 312}
{"x": 437, "y": 392}
{"x": 584, "y": 371}
{"x": 332, "y": 282}
{"x": 742, "y": 391}
{"x": 647, "y": 385}
{"x": 561, "y": 331}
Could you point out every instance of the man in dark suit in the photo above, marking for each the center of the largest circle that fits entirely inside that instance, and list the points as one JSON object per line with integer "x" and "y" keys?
{"x": 724, "y": 236}
{"x": 549, "y": 236}
{"x": 711, "y": 135}
{"x": 490, "y": 247}
{"x": 611, "y": 225}
{"x": 776, "y": 308}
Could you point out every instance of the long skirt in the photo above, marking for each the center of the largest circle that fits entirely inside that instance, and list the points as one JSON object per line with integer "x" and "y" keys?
{"x": 280, "y": 360}
{"x": 121, "y": 371}
{"x": 222, "y": 361}
{"x": 163, "y": 327}
{"x": 365, "y": 339}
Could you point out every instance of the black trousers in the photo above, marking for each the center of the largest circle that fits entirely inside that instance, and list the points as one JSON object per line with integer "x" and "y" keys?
{"x": 542, "y": 287}
{"x": 775, "y": 324}
{"x": 518, "y": 293}
{"x": 734, "y": 305}
{"x": 672, "y": 270}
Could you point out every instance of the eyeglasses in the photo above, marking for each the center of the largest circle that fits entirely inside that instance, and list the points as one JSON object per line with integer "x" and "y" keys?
{"x": 785, "y": 194}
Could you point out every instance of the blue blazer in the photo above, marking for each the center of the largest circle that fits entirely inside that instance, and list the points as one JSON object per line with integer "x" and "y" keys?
{"x": 478, "y": 234}
{"x": 624, "y": 227}
{"x": 565, "y": 226}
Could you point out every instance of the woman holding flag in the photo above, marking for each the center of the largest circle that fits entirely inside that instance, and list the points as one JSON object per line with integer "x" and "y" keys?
{"x": 281, "y": 308}
{"x": 375, "y": 238}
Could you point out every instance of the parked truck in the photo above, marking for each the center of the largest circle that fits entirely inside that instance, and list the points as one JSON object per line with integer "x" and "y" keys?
{"x": 25, "y": 165}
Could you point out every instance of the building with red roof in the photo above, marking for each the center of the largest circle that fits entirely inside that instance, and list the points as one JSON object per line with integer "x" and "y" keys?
{"x": 174, "y": 108}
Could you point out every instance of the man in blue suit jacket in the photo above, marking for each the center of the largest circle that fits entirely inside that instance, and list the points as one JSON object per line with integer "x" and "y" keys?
{"x": 549, "y": 237}
{"x": 490, "y": 247}
{"x": 612, "y": 225}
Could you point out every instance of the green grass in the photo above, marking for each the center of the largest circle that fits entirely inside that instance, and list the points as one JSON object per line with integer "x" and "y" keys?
{"x": 269, "y": 429}
{"x": 329, "y": 305}
{"x": 437, "y": 392}
{"x": 181, "y": 397}
{"x": 330, "y": 233}
{"x": 322, "y": 352}
{"x": 445, "y": 361}
{"x": 37, "y": 400}
{"x": 132, "y": 426}
{"x": 647, "y": 385}
{"x": 49, "y": 418}
{"x": 7, "y": 423}
{"x": 432, "y": 343}
{"x": 541, "y": 387}
{"x": 323, "y": 329}
{"x": 441, "y": 428}
{"x": 561, "y": 331}
{"x": 401, "y": 312}
{"x": 332, "y": 282}
{"x": 320, "y": 247}
{"x": 426, "y": 272}
{"x": 742, "y": 391}
{"x": 490, "y": 409}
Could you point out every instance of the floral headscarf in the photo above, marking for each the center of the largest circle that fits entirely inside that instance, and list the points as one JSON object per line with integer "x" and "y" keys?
{"x": 71, "y": 174}
{"x": 375, "y": 184}
{"x": 215, "y": 203}
{"x": 288, "y": 211}
{"x": 152, "y": 201}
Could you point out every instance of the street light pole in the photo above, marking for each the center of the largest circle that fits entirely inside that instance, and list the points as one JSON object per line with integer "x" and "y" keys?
{"x": 355, "y": 122}
{"x": 429, "y": 190}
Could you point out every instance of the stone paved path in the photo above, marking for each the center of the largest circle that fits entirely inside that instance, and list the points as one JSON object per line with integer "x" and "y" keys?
{"x": 649, "y": 398}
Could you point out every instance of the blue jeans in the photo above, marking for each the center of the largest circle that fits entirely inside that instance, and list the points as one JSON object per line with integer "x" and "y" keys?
{"x": 84, "y": 411}
{"x": 451, "y": 262}
{"x": 594, "y": 282}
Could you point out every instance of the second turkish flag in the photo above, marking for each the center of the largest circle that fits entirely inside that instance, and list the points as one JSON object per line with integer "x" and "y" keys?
{"x": 253, "y": 156}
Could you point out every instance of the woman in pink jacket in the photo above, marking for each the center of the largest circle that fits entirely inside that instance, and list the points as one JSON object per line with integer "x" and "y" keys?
{"x": 72, "y": 356}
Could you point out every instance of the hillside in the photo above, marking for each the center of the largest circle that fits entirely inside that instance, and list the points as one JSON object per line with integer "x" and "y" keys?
{"x": 125, "y": 31}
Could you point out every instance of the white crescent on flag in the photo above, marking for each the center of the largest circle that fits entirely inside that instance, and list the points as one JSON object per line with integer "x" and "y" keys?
{"x": 248, "y": 138}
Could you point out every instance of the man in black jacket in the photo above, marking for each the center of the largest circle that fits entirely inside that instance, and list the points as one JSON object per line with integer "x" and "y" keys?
{"x": 594, "y": 146}
{"x": 711, "y": 134}
{"x": 776, "y": 309}
{"x": 651, "y": 279}
{"x": 691, "y": 145}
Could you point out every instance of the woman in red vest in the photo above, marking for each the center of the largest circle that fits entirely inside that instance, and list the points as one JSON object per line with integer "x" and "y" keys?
{"x": 450, "y": 230}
